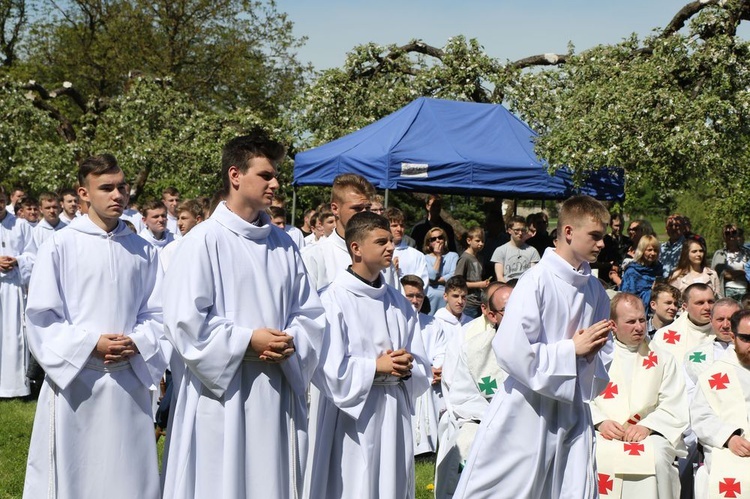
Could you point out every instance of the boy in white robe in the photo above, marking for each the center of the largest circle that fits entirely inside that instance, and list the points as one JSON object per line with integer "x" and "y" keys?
{"x": 476, "y": 379}
{"x": 407, "y": 260}
{"x": 245, "y": 320}
{"x": 454, "y": 319}
{"x": 69, "y": 204}
{"x": 17, "y": 251}
{"x": 429, "y": 405}
{"x": 641, "y": 414}
{"x": 94, "y": 319}
{"x": 536, "y": 440}
{"x": 719, "y": 415}
{"x": 50, "y": 206}
{"x": 373, "y": 367}
{"x": 155, "y": 225}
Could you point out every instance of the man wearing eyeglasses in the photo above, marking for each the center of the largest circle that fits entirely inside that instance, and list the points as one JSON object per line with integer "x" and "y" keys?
{"x": 719, "y": 416}
{"x": 515, "y": 257}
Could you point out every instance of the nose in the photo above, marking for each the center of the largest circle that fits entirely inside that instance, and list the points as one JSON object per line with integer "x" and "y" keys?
{"x": 274, "y": 183}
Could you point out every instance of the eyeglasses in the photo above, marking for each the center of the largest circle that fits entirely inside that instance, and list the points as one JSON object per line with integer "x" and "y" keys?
{"x": 437, "y": 238}
{"x": 730, "y": 232}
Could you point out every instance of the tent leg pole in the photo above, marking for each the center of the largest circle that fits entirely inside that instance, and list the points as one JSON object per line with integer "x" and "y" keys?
{"x": 294, "y": 204}
{"x": 386, "y": 198}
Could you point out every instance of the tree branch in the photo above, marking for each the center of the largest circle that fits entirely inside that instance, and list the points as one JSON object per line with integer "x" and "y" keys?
{"x": 539, "y": 60}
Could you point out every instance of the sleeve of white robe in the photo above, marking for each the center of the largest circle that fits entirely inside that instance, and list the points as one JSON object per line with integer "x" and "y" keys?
{"x": 27, "y": 256}
{"x": 314, "y": 265}
{"x": 211, "y": 346}
{"x": 464, "y": 397}
{"x": 670, "y": 418}
{"x": 343, "y": 376}
{"x": 148, "y": 331}
{"x": 306, "y": 324}
{"x": 710, "y": 429}
{"x": 60, "y": 347}
{"x": 546, "y": 368}
{"x": 421, "y": 373}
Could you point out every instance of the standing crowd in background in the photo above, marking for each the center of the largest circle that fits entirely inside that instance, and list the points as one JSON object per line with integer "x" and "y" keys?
{"x": 283, "y": 362}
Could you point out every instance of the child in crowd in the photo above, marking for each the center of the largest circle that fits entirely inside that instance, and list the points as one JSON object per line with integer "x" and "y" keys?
{"x": 471, "y": 269}
{"x": 372, "y": 368}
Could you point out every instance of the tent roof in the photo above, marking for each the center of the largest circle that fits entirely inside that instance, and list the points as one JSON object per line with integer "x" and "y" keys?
{"x": 434, "y": 145}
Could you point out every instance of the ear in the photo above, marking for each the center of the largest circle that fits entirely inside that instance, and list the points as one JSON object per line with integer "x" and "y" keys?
{"x": 83, "y": 193}
{"x": 652, "y": 305}
{"x": 568, "y": 232}
{"x": 356, "y": 249}
{"x": 335, "y": 209}
{"x": 234, "y": 176}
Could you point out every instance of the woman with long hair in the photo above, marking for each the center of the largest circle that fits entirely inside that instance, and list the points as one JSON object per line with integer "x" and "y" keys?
{"x": 693, "y": 268}
{"x": 441, "y": 264}
{"x": 645, "y": 268}
{"x": 729, "y": 262}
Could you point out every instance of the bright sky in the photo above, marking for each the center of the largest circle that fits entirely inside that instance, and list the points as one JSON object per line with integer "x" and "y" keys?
{"x": 507, "y": 29}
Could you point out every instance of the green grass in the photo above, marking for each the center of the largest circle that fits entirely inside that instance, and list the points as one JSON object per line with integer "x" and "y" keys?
{"x": 17, "y": 419}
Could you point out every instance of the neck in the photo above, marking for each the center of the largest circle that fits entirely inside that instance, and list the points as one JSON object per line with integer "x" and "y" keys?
{"x": 365, "y": 272}
{"x": 470, "y": 251}
{"x": 568, "y": 256}
{"x": 246, "y": 213}
{"x": 696, "y": 322}
{"x": 157, "y": 235}
{"x": 658, "y": 323}
{"x": 105, "y": 223}
{"x": 54, "y": 222}
{"x": 456, "y": 315}
{"x": 340, "y": 229}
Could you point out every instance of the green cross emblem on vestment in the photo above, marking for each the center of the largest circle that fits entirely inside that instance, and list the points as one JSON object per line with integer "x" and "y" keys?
{"x": 488, "y": 385}
{"x": 697, "y": 357}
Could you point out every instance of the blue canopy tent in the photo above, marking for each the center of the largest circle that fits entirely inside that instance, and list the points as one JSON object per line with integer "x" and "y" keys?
{"x": 449, "y": 147}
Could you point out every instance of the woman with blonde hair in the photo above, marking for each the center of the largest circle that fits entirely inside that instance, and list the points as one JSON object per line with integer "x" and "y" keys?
{"x": 441, "y": 264}
{"x": 640, "y": 275}
{"x": 693, "y": 268}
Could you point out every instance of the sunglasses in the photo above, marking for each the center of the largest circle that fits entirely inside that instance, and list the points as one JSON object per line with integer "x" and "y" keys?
{"x": 437, "y": 238}
{"x": 745, "y": 338}
{"x": 731, "y": 232}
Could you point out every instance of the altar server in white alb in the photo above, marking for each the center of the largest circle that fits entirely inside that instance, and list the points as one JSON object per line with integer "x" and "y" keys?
{"x": 17, "y": 251}
{"x": 641, "y": 414}
{"x": 372, "y": 369}
{"x": 248, "y": 325}
{"x": 155, "y": 222}
{"x": 94, "y": 319}
{"x": 536, "y": 440}
{"x": 49, "y": 205}
{"x": 720, "y": 417}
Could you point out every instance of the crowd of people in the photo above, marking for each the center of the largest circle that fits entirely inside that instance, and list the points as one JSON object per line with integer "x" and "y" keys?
{"x": 319, "y": 361}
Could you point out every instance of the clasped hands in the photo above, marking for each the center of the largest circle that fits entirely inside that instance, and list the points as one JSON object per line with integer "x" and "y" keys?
{"x": 114, "y": 347}
{"x": 272, "y": 345}
{"x": 612, "y": 430}
{"x": 395, "y": 363}
{"x": 7, "y": 263}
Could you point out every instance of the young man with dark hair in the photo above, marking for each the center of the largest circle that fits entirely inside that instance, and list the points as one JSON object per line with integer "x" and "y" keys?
{"x": 155, "y": 220}
{"x": 50, "y": 207}
{"x": 17, "y": 251}
{"x": 536, "y": 440}
{"x": 13, "y": 198}
{"x": 407, "y": 260}
{"x": 248, "y": 327}
{"x": 27, "y": 208}
{"x": 373, "y": 366}
{"x": 69, "y": 204}
{"x": 665, "y": 301}
{"x": 94, "y": 323}
{"x": 171, "y": 199}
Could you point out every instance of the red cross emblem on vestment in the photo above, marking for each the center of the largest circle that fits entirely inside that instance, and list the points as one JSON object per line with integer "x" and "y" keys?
{"x": 672, "y": 337}
{"x": 606, "y": 484}
{"x": 633, "y": 448}
{"x": 729, "y": 487}
{"x": 718, "y": 381}
{"x": 651, "y": 361}
{"x": 610, "y": 391}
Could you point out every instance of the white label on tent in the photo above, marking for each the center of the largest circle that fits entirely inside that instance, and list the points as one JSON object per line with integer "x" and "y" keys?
{"x": 414, "y": 170}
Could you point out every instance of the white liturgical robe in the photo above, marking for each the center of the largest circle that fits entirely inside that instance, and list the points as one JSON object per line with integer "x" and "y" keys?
{"x": 159, "y": 244}
{"x": 721, "y": 407}
{"x": 363, "y": 441}
{"x": 645, "y": 388}
{"x": 536, "y": 439}
{"x": 239, "y": 425}
{"x": 681, "y": 336}
{"x": 44, "y": 230}
{"x": 429, "y": 405}
{"x": 93, "y": 432}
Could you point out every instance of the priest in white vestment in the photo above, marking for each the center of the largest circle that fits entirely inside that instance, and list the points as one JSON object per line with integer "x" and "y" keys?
{"x": 373, "y": 367}
{"x": 94, "y": 323}
{"x": 720, "y": 417}
{"x": 693, "y": 327}
{"x": 477, "y": 377}
{"x": 242, "y": 315}
{"x": 17, "y": 251}
{"x": 536, "y": 440}
{"x": 701, "y": 357}
{"x": 641, "y": 414}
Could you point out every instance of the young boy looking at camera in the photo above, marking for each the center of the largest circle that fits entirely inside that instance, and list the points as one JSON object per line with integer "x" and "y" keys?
{"x": 372, "y": 368}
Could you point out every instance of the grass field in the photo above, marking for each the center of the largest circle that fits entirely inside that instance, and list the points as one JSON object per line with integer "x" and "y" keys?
{"x": 17, "y": 418}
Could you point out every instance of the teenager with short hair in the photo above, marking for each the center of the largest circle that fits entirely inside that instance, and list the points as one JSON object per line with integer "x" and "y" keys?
{"x": 69, "y": 204}
{"x": 536, "y": 439}
{"x": 248, "y": 326}
{"x": 515, "y": 257}
{"x": 665, "y": 302}
{"x": 27, "y": 208}
{"x": 471, "y": 269}
{"x": 407, "y": 260}
{"x": 50, "y": 208}
{"x": 155, "y": 220}
{"x": 170, "y": 197}
{"x": 373, "y": 367}
{"x": 94, "y": 321}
